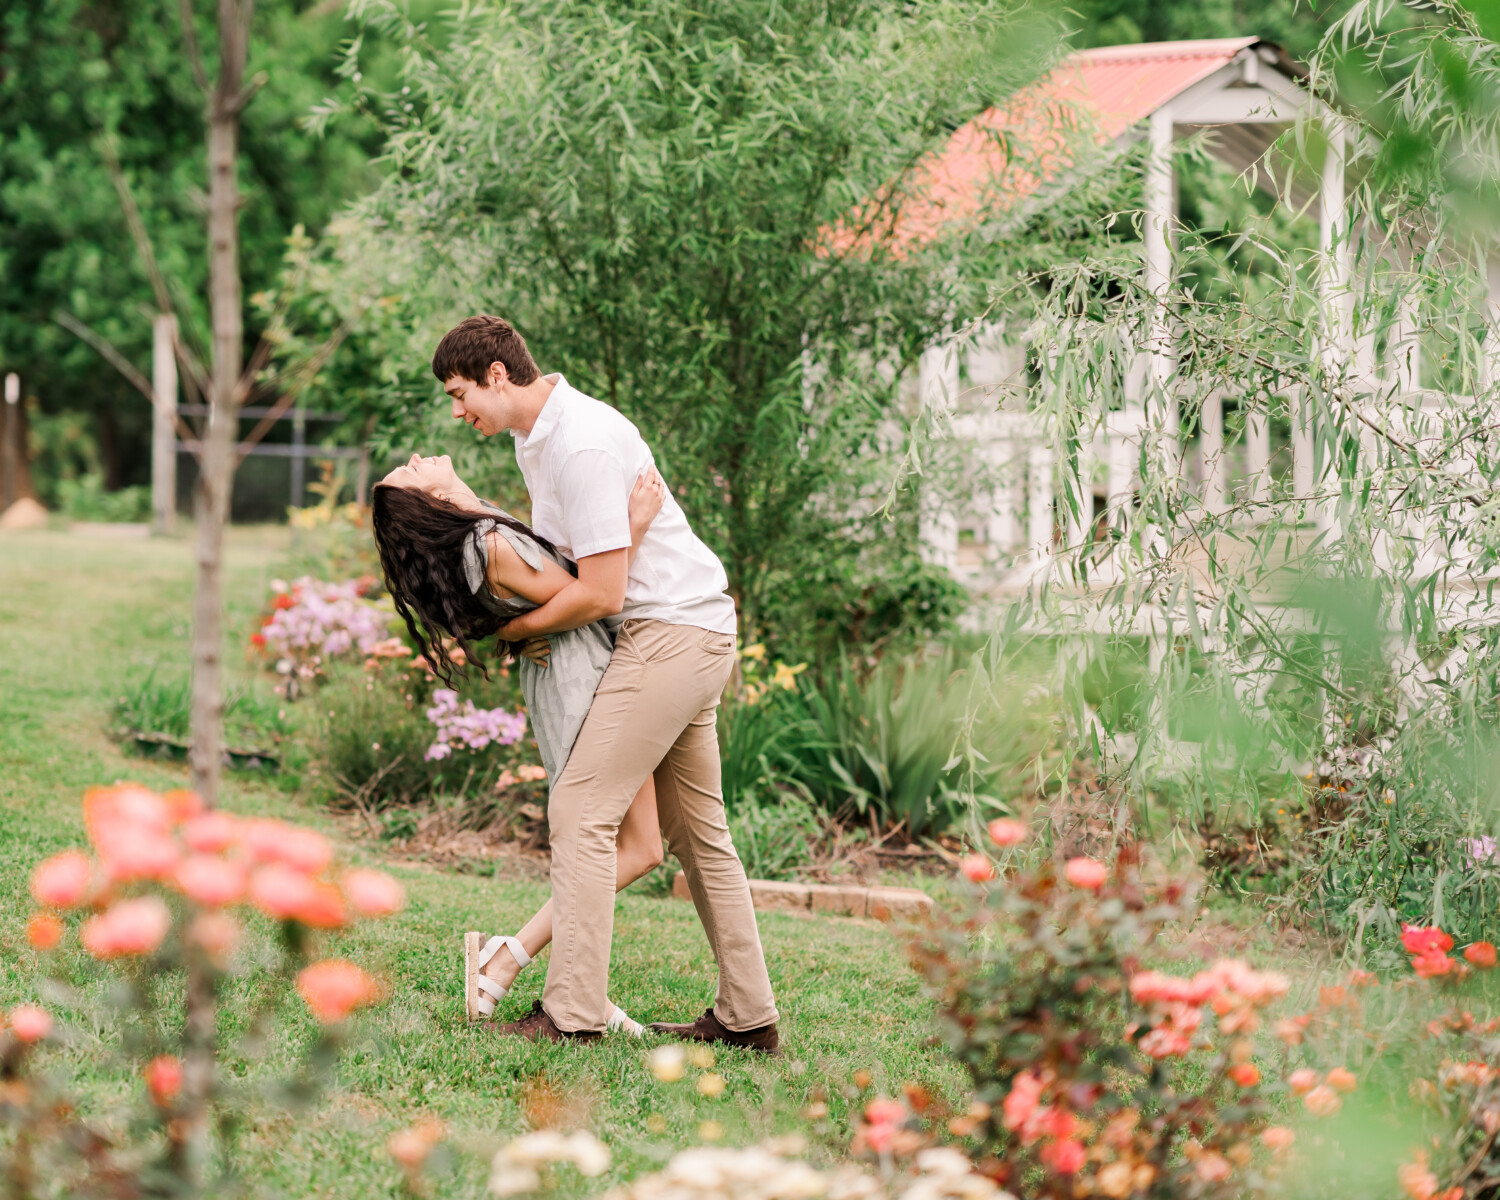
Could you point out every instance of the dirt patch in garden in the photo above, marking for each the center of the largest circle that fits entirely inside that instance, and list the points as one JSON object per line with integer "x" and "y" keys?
{"x": 515, "y": 843}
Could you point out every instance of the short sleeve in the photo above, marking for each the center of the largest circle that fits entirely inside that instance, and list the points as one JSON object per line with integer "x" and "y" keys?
{"x": 594, "y": 502}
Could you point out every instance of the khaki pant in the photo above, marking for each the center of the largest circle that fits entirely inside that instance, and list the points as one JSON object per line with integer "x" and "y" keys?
{"x": 654, "y": 714}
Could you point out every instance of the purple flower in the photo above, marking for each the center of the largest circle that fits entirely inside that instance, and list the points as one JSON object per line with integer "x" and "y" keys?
{"x": 1481, "y": 850}
{"x": 462, "y": 726}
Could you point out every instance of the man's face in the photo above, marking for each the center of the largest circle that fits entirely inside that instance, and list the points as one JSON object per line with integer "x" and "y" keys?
{"x": 484, "y": 406}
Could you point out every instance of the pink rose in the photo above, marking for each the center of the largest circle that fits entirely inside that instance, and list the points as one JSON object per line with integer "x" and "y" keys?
{"x": 1065, "y": 1157}
{"x": 211, "y": 881}
{"x": 29, "y": 1023}
{"x": 138, "y": 853}
{"x": 334, "y": 988}
{"x": 127, "y": 927}
{"x": 977, "y": 868}
{"x": 373, "y": 893}
{"x": 280, "y": 891}
{"x": 1007, "y": 831}
{"x": 212, "y": 833}
{"x": 61, "y": 881}
{"x": 163, "y": 1079}
{"x": 1086, "y": 873}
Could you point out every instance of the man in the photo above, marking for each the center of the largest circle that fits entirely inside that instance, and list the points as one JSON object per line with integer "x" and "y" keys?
{"x": 654, "y": 712}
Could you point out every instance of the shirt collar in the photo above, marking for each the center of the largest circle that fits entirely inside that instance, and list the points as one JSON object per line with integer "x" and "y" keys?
{"x": 547, "y": 419}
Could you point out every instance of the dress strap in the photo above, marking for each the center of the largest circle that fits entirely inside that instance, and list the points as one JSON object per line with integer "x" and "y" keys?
{"x": 477, "y": 557}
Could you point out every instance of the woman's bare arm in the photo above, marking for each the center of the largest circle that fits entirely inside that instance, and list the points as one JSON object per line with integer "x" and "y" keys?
{"x": 508, "y": 574}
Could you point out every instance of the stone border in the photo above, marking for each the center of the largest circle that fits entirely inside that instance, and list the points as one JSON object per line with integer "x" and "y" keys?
{"x": 881, "y": 903}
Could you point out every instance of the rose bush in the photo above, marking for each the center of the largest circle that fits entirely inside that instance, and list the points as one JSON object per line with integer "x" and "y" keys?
{"x": 168, "y": 905}
{"x": 1094, "y": 1076}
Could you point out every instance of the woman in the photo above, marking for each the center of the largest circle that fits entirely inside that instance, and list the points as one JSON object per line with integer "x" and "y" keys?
{"x": 457, "y": 565}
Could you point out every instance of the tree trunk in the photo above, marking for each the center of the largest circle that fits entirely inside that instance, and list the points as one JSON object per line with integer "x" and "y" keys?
{"x": 216, "y": 469}
{"x": 211, "y": 507}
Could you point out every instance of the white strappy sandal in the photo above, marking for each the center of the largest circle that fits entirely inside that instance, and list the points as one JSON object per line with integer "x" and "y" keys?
{"x": 482, "y": 994}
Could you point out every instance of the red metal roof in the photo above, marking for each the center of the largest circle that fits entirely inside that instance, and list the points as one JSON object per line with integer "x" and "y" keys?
{"x": 1009, "y": 152}
{"x": 1125, "y": 84}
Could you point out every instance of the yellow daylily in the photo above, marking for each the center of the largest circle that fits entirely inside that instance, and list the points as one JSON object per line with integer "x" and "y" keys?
{"x": 786, "y": 677}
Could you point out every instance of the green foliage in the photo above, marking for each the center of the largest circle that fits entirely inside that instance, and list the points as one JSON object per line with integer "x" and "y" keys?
{"x": 652, "y": 206}
{"x": 75, "y": 72}
{"x": 153, "y": 704}
{"x": 888, "y": 741}
{"x": 84, "y": 499}
{"x": 367, "y": 735}
{"x": 775, "y": 837}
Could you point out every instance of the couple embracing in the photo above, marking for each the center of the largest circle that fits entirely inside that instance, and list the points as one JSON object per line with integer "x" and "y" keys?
{"x": 626, "y": 639}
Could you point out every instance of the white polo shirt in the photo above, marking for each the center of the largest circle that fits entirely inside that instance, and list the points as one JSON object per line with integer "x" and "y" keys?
{"x": 580, "y": 462}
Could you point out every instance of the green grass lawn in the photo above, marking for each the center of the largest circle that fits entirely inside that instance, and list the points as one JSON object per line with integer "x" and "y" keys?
{"x": 79, "y": 614}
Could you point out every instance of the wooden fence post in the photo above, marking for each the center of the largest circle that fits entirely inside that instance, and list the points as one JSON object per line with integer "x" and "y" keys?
{"x": 164, "y": 424}
{"x": 12, "y": 429}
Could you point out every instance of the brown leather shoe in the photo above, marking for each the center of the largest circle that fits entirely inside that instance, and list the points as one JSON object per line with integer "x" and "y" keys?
{"x": 537, "y": 1026}
{"x": 708, "y": 1028}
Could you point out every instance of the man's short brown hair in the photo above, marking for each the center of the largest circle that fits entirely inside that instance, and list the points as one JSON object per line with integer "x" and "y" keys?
{"x": 468, "y": 349}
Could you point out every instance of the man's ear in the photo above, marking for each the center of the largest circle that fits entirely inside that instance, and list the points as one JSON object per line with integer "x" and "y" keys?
{"x": 497, "y": 375}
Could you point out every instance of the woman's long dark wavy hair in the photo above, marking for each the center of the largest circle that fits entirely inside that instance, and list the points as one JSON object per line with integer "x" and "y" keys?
{"x": 421, "y": 543}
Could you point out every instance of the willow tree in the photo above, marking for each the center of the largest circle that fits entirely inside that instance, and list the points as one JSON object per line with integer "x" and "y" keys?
{"x": 648, "y": 192}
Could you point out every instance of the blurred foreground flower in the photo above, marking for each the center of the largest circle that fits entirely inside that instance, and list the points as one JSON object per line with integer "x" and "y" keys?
{"x": 977, "y": 868}
{"x": 517, "y": 1167}
{"x": 160, "y": 864}
{"x": 127, "y": 927}
{"x": 666, "y": 1063}
{"x": 29, "y": 1023}
{"x": 334, "y": 988}
{"x": 61, "y": 881}
{"x": 774, "y": 1171}
{"x": 164, "y": 1079}
{"x": 1086, "y": 873}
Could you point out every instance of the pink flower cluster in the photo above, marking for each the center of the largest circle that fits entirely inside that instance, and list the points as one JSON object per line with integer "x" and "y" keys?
{"x": 1052, "y": 1124}
{"x": 324, "y": 620}
{"x": 1234, "y": 990}
{"x": 148, "y": 847}
{"x": 461, "y": 726}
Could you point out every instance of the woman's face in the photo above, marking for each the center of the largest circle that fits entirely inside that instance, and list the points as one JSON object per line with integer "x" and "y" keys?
{"x": 436, "y": 477}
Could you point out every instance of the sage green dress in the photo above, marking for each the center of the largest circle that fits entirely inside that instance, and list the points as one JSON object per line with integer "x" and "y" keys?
{"x": 559, "y": 695}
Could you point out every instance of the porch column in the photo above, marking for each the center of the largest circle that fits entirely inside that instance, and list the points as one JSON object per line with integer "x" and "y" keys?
{"x": 1159, "y": 207}
{"x": 1337, "y": 305}
{"x": 937, "y": 388}
{"x": 1007, "y": 462}
{"x": 1040, "y": 489}
{"x": 163, "y": 424}
{"x": 1406, "y": 349}
{"x": 1491, "y": 361}
{"x": 1258, "y": 456}
{"x": 1211, "y": 446}
{"x": 10, "y": 436}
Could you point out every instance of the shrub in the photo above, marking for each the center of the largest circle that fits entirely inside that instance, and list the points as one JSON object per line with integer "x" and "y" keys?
{"x": 775, "y": 837}
{"x": 85, "y": 499}
{"x": 883, "y": 744}
{"x": 384, "y": 737}
{"x": 311, "y": 623}
{"x": 166, "y": 898}
{"x": 1097, "y": 1077}
{"x": 152, "y": 705}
